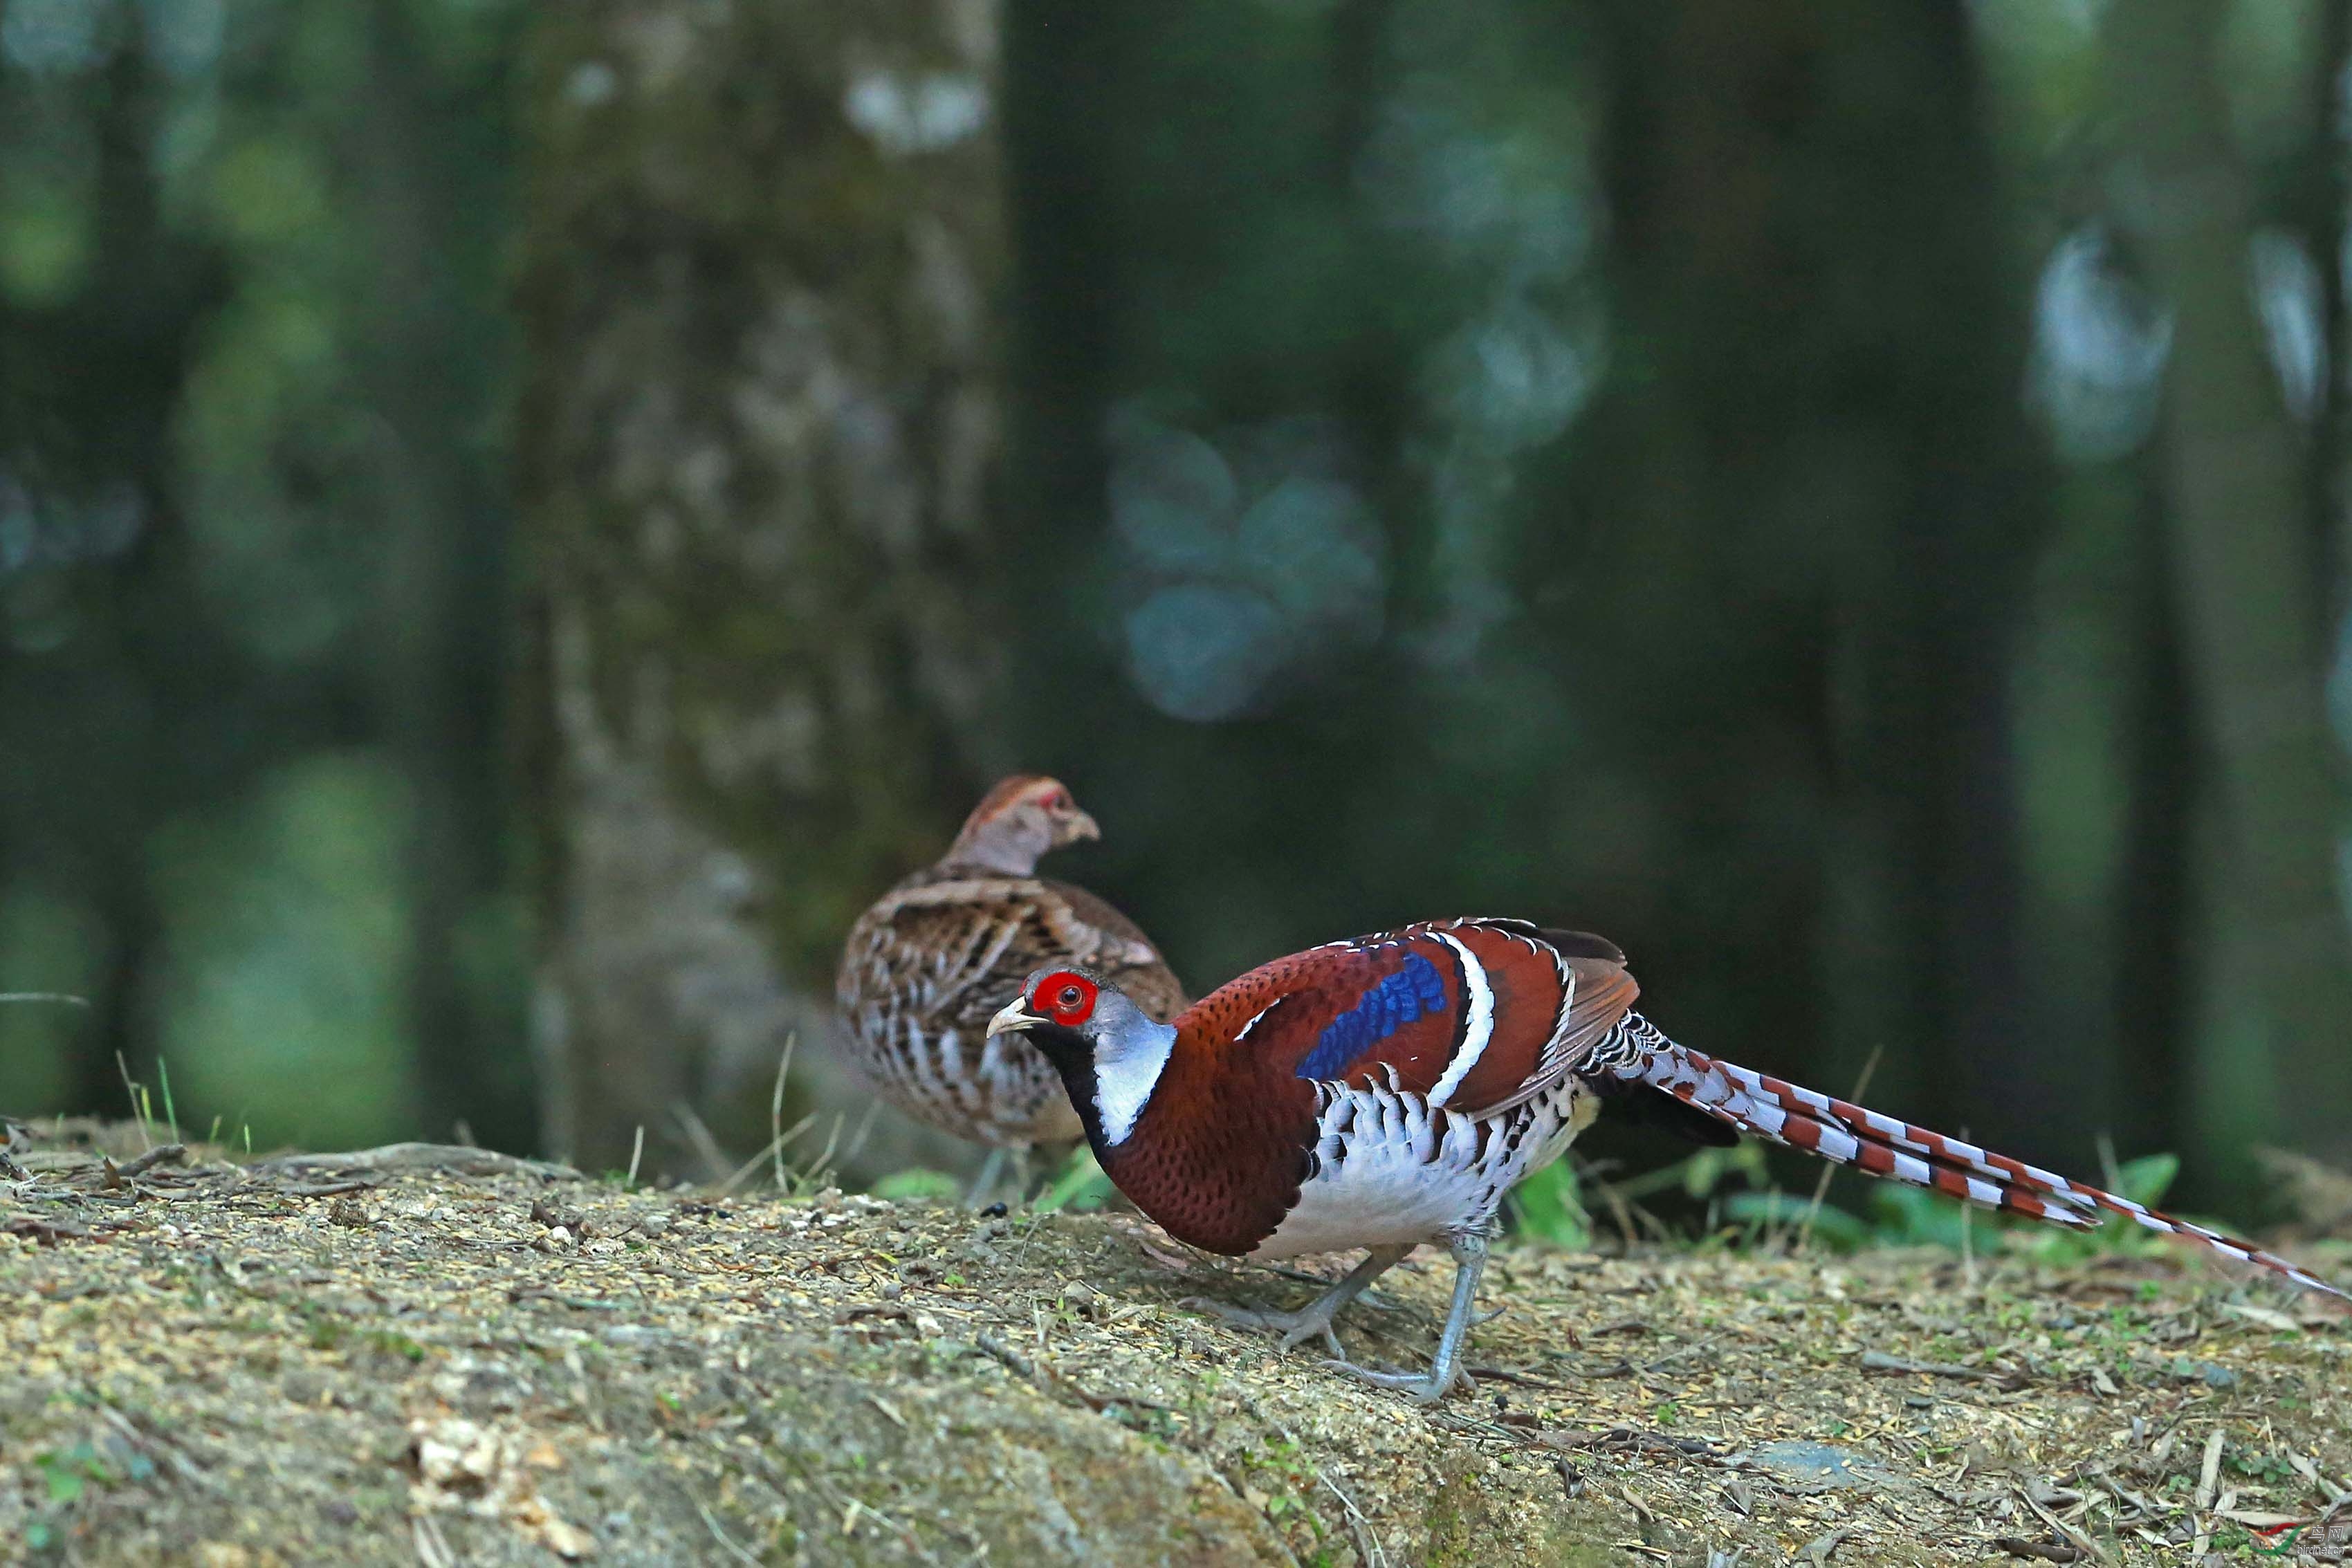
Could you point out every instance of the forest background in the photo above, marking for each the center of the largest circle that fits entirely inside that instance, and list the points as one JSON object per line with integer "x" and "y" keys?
{"x": 516, "y": 522}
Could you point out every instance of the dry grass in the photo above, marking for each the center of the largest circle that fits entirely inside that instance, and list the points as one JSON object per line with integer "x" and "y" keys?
{"x": 395, "y": 1362}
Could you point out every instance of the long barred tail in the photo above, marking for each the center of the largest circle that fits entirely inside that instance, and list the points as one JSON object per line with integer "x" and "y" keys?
{"x": 1851, "y": 1134}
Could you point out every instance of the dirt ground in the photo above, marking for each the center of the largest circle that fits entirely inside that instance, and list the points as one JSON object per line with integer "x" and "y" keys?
{"x": 440, "y": 1357}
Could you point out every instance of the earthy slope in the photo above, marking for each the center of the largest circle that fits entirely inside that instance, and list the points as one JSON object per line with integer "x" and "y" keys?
{"x": 282, "y": 1364}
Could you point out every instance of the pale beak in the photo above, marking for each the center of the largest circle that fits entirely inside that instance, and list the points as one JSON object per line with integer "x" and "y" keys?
{"x": 1082, "y": 826}
{"x": 1011, "y": 1017}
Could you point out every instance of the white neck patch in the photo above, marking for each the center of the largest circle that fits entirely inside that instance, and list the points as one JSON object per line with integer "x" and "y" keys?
{"x": 1123, "y": 1085}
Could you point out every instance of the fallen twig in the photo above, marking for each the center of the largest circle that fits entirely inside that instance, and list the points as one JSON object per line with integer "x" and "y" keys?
{"x": 453, "y": 1157}
{"x": 1878, "y": 1361}
{"x": 324, "y": 1190}
{"x": 897, "y": 1310}
{"x": 1632, "y": 1438}
{"x": 162, "y": 1153}
{"x": 2082, "y": 1543}
{"x": 1051, "y": 1381}
{"x": 710, "y": 1522}
{"x": 1503, "y": 1374}
{"x": 1014, "y": 1362}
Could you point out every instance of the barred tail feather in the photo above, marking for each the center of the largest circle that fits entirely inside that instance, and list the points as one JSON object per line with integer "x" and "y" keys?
{"x": 1786, "y": 1114}
{"x": 1881, "y": 1146}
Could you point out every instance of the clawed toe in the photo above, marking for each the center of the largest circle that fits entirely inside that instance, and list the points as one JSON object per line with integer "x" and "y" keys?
{"x": 1314, "y": 1320}
{"x": 1424, "y": 1388}
{"x": 1232, "y": 1312}
{"x": 1295, "y": 1328}
{"x": 1308, "y": 1326}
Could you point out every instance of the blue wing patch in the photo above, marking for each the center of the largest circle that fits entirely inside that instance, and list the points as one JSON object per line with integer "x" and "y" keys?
{"x": 1413, "y": 991}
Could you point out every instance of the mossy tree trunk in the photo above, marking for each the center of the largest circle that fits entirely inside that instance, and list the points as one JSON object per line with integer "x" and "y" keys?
{"x": 763, "y": 265}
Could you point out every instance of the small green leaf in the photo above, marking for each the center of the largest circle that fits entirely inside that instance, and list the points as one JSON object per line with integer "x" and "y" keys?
{"x": 1551, "y": 1209}
{"x": 64, "y": 1477}
{"x": 2146, "y": 1180}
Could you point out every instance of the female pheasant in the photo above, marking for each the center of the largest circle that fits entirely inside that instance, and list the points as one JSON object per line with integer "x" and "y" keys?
{"x": 1389, "y": 1091}
{"x": 930, "y": 963}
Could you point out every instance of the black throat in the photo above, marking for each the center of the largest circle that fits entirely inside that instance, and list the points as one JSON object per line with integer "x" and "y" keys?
{"x": 1073, "y": 1057}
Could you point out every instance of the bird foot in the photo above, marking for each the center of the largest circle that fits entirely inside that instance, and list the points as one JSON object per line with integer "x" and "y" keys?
{"x": 1424, "y": 1387}
{"x": 1296, "y": 1328}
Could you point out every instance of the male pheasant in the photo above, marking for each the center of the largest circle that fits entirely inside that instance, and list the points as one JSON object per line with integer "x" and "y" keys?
{"x": 930, "y": 963}
{"x": 1386, "y": 1092}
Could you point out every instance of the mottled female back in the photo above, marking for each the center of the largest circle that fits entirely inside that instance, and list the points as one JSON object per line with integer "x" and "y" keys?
{"x": 933, "y": 960}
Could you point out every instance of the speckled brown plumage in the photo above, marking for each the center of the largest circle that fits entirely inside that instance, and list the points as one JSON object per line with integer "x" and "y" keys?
{"x": 930, "y": 963}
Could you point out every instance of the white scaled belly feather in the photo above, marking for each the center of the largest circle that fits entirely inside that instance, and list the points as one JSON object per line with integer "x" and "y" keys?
{"x": 1393, "y": 1170}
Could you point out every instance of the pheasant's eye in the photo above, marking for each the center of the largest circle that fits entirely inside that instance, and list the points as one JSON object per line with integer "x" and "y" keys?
{"x": 1067, "y": 999}
{"x": 1059, "y": 800}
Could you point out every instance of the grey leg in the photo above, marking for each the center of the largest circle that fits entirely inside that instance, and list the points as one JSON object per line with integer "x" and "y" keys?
{"x": 992, "y": 1171}
{"x": 1314, "y": 1317}
{"x": 1445, "y": 1368}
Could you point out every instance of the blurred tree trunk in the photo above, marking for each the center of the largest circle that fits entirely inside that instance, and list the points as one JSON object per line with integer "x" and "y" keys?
{"x": 2250, "y": 579}
{"x": 2322, "y": 215}
{"x": 88, "y": 383}
{"x": 763, "y": 265}
{"x": 2152, "y": 926}
{"x": 1816, "y": 501}
{"x": 442, "y": 607}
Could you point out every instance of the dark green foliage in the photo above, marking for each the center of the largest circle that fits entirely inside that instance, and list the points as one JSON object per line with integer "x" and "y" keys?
{"x": 1755, "y": 481}
{"x": 1812, "y": 648}
{"x": 253, "y": 574}
{"x": 1900, "y": 1215}
{"x": 1550, "y": 1208}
